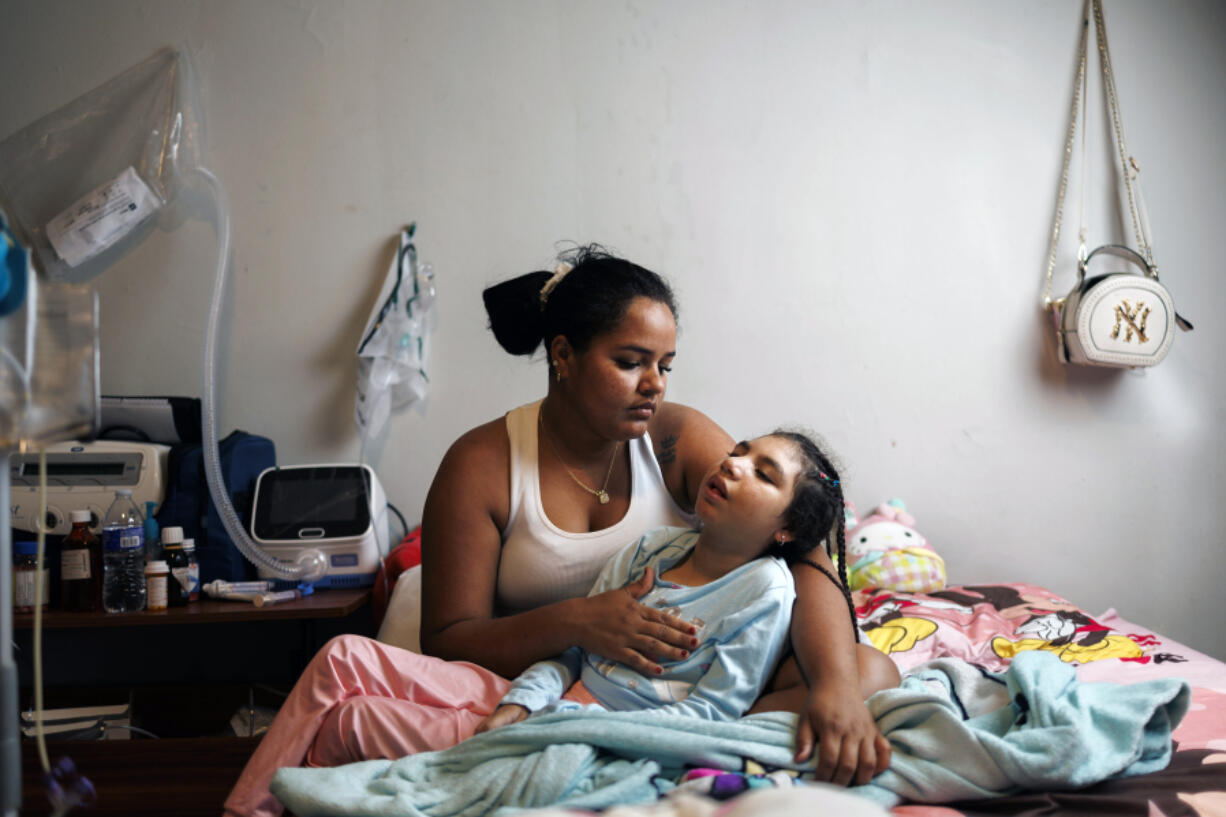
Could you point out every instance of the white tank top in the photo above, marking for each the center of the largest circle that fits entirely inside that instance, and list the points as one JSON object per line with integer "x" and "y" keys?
{"x": 540, "y": 562}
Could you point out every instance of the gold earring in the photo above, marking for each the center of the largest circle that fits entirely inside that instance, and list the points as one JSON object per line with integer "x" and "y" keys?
{"x": 557, "y": 373}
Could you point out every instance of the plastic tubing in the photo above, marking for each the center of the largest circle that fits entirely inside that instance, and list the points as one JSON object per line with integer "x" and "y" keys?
{"x": 311, "y": 564}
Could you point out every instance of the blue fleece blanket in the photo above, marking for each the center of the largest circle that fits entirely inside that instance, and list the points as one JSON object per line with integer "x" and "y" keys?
{"x": 957, "y": 733}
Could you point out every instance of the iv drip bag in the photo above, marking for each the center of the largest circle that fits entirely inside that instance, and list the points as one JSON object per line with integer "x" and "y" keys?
{"x": 83, "y": 183}
{"x": 80, "y": 188}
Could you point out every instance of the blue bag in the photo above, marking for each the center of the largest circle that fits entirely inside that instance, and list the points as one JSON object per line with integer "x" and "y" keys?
{"x": 188, "y": 504}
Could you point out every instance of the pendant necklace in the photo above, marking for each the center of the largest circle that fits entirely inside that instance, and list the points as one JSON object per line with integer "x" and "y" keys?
{"x": 603, "y": 493}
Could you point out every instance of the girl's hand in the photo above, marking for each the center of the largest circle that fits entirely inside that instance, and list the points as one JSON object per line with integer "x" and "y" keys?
{"x": 616, "y": 626}
{"x": 849, "y": 746}
{"x": 503, "y": 715}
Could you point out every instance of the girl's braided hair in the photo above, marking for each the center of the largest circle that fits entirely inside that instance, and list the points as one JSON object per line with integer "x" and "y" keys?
{"x": 817, "y": 509}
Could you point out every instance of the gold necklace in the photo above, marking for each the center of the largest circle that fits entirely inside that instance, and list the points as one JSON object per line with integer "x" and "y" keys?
{"x": 603, "y": 493}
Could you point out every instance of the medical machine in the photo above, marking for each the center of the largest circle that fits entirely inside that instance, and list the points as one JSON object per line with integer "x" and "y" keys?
{"x": 84, "y": 476}
{"x": 339, "y": 510}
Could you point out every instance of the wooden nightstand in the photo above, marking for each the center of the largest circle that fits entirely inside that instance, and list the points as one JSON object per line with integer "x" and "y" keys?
{"x": 186, "y": 670}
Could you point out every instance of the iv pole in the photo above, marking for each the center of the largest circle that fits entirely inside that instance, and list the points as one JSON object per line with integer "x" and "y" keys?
{"x": 20, "y": 432}
{"x": 10, "y": 748}
{"x": 11, "y": 278}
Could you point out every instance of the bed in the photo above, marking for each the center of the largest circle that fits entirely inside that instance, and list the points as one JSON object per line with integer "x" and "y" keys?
{"x": 986, "y": 628}
{"x": 988, "y": 625}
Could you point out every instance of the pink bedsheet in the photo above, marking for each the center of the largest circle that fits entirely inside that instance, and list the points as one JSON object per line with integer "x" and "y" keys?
{"x": 988, "y": 625}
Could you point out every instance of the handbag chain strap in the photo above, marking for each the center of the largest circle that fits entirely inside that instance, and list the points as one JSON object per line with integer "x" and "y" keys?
{"x": 1129, "y": 165}
{"x": 1068, "y": 156}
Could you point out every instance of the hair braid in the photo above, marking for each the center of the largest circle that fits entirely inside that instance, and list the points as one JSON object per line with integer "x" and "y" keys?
{"x": 816, "y": 510}
{"x": 841, "y": 537}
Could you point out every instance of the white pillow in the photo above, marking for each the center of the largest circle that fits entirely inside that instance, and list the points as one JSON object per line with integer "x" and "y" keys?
{"x": 401, "y": 625}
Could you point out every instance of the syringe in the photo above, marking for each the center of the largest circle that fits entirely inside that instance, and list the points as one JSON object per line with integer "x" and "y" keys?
{"x": 262, "y": 599}
{"x": 219, "y": 588}
{"x": 259, "y": 593}
{"x": 272, "y": 598}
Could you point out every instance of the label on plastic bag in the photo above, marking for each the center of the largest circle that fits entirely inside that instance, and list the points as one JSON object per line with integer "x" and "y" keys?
{"x": 101, "y": 217}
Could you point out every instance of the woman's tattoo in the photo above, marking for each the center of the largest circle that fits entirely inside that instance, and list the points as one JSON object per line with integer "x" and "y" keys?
{"x": 667, "y": 452}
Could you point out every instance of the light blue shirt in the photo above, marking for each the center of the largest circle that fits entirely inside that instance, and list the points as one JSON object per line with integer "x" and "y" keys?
{"x": 742, "y": 620}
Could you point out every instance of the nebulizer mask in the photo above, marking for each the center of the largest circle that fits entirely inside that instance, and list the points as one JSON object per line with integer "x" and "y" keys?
{"x": 82, "y": 187}
{"x": 395, "y": 343}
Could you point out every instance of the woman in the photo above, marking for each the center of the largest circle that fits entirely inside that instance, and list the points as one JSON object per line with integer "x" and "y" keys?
{"x": 522, "y": 514}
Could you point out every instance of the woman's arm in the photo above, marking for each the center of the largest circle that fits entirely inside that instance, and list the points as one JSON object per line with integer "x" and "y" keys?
{"x": 466, "y": 510}
{"x": 849, "y": 745}
{"x": 687, "y": 443}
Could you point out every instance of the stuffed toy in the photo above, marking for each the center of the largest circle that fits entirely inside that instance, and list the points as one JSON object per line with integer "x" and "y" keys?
{"x": 885, "y": 550}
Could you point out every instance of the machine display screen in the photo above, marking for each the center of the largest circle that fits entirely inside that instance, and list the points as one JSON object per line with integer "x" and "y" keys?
{"x": 317, "y": 502}
{"x": 75, "y": 468}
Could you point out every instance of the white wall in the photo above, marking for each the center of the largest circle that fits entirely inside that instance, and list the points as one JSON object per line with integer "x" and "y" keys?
{"x": 852, "y": 199}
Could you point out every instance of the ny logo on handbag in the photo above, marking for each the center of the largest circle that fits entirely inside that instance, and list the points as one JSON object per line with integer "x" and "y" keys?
{"x": 1126, "y": 315}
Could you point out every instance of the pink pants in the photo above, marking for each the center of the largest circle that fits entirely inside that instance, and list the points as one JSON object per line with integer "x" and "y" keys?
{"x": 360, "y": 699}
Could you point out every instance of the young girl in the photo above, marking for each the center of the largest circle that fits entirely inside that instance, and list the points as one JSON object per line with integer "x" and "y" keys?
{"x": 770, "y": 501}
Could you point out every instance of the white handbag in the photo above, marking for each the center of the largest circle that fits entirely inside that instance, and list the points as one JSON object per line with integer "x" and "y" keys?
{"x": 1117, "y": 319}
{"x": 1122, "y": 318}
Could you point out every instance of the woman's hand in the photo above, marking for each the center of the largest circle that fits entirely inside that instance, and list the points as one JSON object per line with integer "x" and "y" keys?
{"x": 849, "y": 746}
{"x": 616, "y": 626}
{"x": 503, "y": 715}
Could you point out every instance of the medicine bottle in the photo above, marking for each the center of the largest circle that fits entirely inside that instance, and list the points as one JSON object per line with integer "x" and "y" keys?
{"x": 157, "y": 581}
{"x": 26, "y": 577}
{"x": 193, "y": 569}
{"x": 81, "y": 567}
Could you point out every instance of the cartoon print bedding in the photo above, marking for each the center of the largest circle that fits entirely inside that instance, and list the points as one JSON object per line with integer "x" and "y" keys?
{"x": 989, "y": 625}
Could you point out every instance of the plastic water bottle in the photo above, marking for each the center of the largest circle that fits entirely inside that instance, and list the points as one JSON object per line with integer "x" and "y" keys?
{"x": 123, "y": 556}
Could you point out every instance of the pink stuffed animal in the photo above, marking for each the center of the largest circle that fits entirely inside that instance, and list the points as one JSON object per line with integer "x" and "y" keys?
{"x": 885, "y": 550}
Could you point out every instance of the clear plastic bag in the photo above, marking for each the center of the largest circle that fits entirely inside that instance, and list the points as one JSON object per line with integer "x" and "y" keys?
{"x": 395, "y": 344}
{"x": 78, "y": 189}
{"x": 83, "y": 184}
{"x": 48, "y": 359}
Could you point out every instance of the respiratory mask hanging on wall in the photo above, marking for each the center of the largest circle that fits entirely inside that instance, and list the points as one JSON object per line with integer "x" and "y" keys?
{"x": 395, "y": 343}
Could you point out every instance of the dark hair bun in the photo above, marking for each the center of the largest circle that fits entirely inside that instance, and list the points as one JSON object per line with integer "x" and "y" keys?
{"x": 514, "y": 310}
{"x": 586, "y": 303}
